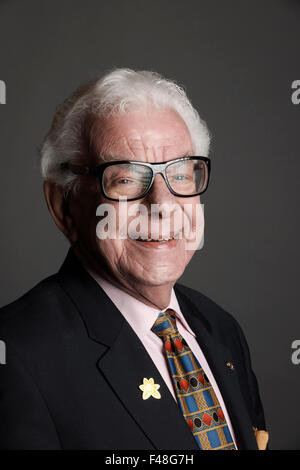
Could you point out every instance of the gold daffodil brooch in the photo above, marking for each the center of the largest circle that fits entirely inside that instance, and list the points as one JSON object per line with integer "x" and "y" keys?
{"x": 149, "y": 389}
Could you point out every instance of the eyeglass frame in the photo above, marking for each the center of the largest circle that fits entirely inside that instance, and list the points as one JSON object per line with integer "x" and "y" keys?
{"x": 156, "y": 168}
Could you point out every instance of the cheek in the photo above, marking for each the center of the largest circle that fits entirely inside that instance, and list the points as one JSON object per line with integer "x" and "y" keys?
{"x": 194, "y": 209}
{"x": 85, "y": 224}
{"x": 83, "y": 209}
{"x": 190, "y": 216}
{"x": 111, "y": 248}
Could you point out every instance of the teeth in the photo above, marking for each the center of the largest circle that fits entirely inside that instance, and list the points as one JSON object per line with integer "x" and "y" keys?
{"x": 155, "y": 239}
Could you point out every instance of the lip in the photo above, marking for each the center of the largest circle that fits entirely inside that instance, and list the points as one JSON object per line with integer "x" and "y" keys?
{"x": 158, "y": 245}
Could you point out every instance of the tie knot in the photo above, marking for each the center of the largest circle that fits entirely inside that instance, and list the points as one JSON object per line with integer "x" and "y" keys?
{"x": 165, "y": 324}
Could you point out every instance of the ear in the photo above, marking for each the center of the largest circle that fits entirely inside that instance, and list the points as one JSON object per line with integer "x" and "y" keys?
{"x": 58, "y": 207}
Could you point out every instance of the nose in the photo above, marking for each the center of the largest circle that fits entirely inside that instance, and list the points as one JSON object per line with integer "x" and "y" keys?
{"x": 159, "y": 192}
{"x": 164, "y": 216}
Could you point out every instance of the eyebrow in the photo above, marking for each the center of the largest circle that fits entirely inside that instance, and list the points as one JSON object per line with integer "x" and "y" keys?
{"x": 106, "y": 157}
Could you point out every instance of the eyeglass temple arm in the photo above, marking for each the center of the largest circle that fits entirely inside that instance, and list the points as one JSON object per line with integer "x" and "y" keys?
{"x": 78, "y": 169}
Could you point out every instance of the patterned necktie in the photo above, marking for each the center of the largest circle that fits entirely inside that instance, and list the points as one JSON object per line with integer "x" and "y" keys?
{"x": 196, "y": 397}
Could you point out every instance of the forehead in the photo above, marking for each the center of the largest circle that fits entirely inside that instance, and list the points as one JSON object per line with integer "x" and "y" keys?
{"x": 151, "y": 134}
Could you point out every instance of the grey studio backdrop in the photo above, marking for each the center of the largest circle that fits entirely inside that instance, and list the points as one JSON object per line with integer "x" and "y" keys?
{"x": 237, "y": 60}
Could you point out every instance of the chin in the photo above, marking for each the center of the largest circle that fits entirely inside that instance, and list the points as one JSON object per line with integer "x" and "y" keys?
{"x": 158, "y": 277}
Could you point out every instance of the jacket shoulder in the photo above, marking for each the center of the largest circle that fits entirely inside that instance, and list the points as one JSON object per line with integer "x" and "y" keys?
{"x": 38, "y": 314}
{"x": 211, "y": 310}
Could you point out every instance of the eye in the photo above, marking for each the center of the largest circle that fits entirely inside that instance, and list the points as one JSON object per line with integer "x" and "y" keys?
{"x": 123, "y": 181}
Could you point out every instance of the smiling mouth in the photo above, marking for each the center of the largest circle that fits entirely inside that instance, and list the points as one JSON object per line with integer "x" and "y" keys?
{"x": 158, "y": 240}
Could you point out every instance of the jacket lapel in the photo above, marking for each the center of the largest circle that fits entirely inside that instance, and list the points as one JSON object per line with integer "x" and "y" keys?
{"x": 125, "y": 366}
{"x": 217, "y": 355}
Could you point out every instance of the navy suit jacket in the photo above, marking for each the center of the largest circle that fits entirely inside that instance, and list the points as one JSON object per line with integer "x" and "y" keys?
{"x": 74, "y": 366}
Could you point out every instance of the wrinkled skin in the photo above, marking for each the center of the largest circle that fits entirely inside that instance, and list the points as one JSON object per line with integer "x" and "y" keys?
{"x": 146, "y": 271}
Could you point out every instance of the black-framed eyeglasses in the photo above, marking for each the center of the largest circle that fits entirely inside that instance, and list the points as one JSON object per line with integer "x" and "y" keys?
{"x": 184, "y": 177}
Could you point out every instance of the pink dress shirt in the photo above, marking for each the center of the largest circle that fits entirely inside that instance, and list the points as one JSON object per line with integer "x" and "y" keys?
{"x": 141, "y": 318}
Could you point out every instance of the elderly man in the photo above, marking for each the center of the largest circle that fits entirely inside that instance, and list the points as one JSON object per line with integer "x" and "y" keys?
{"x": 111, "y": 352}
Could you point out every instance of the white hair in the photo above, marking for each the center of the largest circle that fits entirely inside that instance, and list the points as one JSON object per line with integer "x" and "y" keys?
{"x": 69, "y": 137}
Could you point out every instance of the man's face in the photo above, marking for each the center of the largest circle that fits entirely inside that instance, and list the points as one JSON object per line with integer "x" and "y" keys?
{"x": 144, "y": 136}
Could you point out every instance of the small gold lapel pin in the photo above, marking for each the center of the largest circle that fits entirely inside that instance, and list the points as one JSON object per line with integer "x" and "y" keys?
{"x": 149, "y": 388}
{"x": 230, "y": 365}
